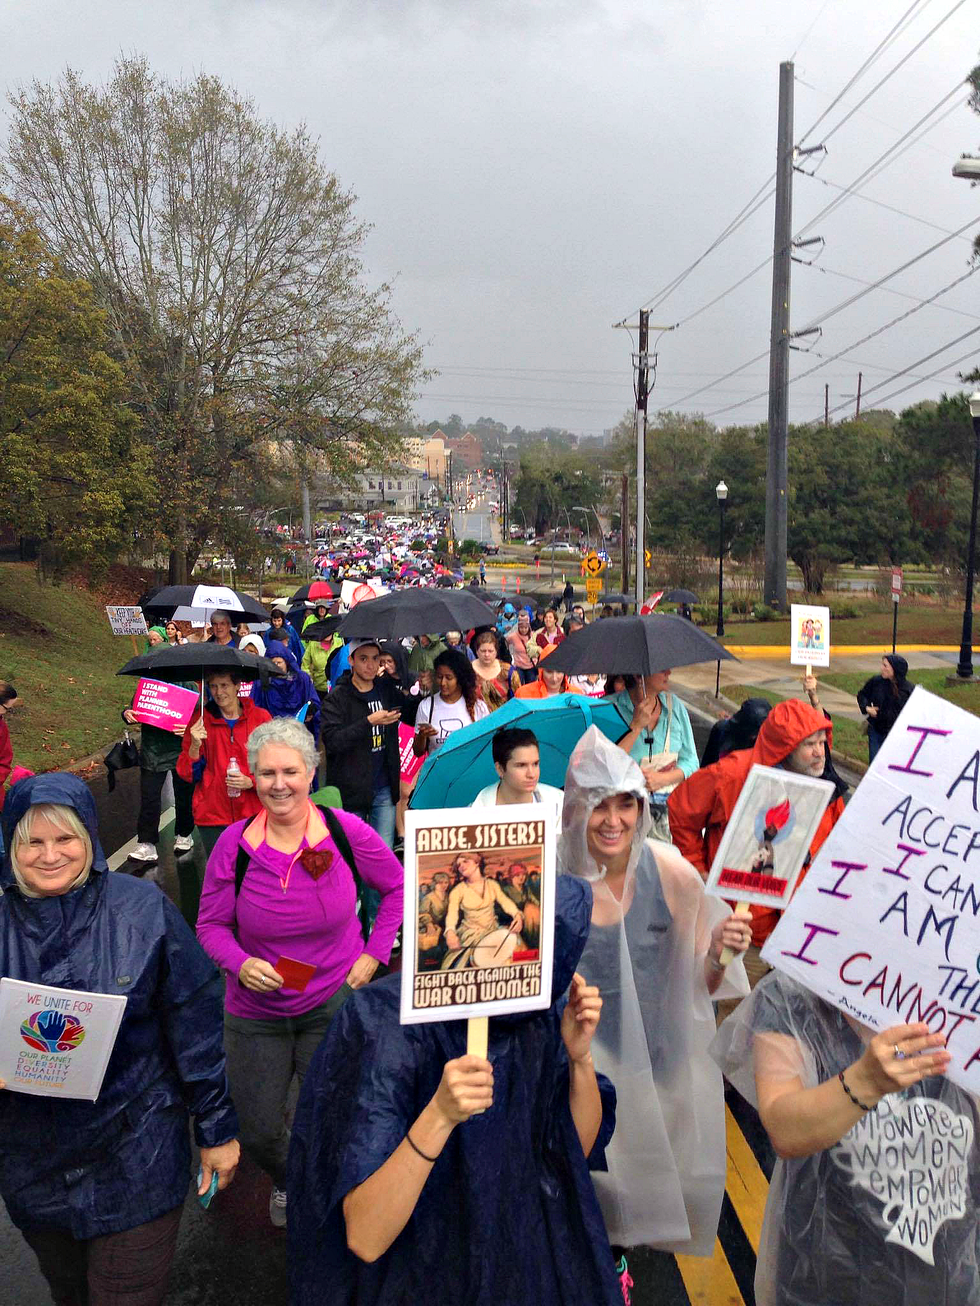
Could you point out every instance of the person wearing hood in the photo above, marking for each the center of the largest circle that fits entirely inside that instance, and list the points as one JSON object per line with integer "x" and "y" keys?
{"x": 316, "y": 661}
{"x": 319, "y": 612}
{"x": 658, "y": 737}
{"x": 795, "y": 735}
{"x": 547, "y": 682}
{"x": 507, "y": 620}
{"x": 524, "y": 648}
{"x": 737, "y": 731}
{"x": 289, "y": 694}
{"x": 415, "y": 1164}
{"x": 423, "y": 655}
{"x": 359, "y": 730}
{"x": 882, "y": 698}
{"x": 394, "y": 664}
{"x": 97, "y": 1188}
{"x": 654, "y": 950}
{"x": 278, "y": 622}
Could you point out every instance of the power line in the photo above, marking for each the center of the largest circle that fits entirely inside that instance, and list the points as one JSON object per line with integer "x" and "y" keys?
{"x": 806, "y": 34}
{"x": 824, "y": 181}
{"x": 890, "y": 290}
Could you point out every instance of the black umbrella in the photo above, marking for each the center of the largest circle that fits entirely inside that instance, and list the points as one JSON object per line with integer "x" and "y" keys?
{"x": 196, "y": 661}
{"x": 637, "y": 646}
{"x": 320, "y": 629}
{"x": 680, "y": 596}
{"x": 416, "y": 612}
{"x": 616, "y": 598}
{"x": 194, "y": 602}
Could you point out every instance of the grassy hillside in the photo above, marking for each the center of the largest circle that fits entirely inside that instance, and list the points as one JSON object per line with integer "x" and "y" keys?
{"x": 56, "y": 648}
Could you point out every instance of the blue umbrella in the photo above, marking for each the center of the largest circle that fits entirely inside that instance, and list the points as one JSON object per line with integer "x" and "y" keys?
{"x": 455, "y": 774}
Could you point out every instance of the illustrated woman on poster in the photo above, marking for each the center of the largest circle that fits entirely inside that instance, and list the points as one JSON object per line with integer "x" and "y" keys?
{"x": 471, "y": 916}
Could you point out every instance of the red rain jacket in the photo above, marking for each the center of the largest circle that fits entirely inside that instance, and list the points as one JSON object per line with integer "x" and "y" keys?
{"x": 212, "y": 806}
{"x": 701, "y": 806}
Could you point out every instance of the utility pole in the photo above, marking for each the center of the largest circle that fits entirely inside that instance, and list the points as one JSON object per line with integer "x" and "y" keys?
{"x": 777, "y": 468}
{"x": 857, "y": 406}
{"x": 624, "y": 531}
{"x": 642, "y": 377}
{"x": 826, "y": 404}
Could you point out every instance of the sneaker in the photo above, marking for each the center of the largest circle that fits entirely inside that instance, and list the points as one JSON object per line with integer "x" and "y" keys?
{"x": 144, "y": 852}
{"x": 277, "y": 1208}
{"x": 183, "y": 843}
{"x": 625, "y": 1280}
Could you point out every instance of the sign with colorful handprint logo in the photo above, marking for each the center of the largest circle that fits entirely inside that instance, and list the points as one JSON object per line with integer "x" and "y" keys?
{"x": 52, "y": 1031}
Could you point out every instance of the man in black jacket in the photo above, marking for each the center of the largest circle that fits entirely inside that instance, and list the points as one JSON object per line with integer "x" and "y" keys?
{"x": 359, "y": 730}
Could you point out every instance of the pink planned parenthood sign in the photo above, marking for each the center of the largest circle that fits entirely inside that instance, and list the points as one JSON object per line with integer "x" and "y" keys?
{"x": 886, "y": 924}
{"x": 159, "y": 704}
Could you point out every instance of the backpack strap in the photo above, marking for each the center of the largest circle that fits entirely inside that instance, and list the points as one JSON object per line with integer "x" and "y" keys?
{"x": 337, "y": 834}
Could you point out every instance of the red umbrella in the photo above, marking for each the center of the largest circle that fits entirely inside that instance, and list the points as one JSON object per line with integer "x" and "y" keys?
{"x": 317, "y": 589}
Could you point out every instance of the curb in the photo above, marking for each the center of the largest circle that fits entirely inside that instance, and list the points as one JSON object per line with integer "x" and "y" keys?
{"x": 780, "y": 652}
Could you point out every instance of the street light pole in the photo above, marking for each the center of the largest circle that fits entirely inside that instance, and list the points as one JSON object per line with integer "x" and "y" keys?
{"x": 964, "y": 668}
{"x": 721, "y": 493}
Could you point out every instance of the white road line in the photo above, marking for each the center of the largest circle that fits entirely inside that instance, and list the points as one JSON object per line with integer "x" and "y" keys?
{"x": 121, "y": 855}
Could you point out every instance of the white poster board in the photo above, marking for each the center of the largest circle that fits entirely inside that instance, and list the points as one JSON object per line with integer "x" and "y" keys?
{"x": 126, "y": 621}
{"x": 56, "y": 1042}
{"x": 353, "y": 592}
{"x": 767, "y": 839}
{"x": 809, "y": 636}
{"x": 885, "y": 925}
{"x": 479, "y": 912}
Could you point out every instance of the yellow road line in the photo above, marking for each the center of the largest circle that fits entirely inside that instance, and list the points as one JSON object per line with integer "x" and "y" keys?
{"x": 745, "y": 1184}
{"x": 709, "y": 1281}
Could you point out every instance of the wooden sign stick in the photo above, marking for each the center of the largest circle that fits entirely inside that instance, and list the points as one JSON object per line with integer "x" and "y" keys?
{"x": 476, "y": 1036}
{"x": 727, "y": 956}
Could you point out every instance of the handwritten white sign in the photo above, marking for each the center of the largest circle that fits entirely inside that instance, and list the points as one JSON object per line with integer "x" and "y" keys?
{"x": 126, "y": 621}
{"x": 809, "y": 636}
{"x": 56, "y": 1042}
{"x": 885, "y": 925}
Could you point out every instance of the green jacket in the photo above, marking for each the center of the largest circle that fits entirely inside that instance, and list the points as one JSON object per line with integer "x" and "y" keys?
{"x": 315, "y": 661}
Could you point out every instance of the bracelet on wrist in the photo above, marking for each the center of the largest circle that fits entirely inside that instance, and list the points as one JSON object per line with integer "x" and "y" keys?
{"x": 415, "y": 1148}
{"x": 857, "y": 1101}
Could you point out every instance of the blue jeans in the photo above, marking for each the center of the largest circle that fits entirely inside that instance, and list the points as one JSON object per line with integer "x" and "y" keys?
{"x": 875, "y": 741}
{"x": 381, "y": 817}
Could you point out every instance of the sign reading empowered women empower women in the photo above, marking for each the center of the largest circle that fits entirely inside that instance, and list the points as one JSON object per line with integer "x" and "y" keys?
{"x": 886, "y": 925}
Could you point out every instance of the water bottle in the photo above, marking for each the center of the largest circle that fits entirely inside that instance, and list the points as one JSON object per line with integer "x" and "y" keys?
{"x": 234, "y": 770}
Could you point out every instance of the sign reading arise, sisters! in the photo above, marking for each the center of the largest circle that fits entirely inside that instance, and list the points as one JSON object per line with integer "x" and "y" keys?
{"x": 886, "y": 925}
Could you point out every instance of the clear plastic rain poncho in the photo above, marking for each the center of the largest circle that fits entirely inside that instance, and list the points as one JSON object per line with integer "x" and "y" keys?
{"x": 666, "y": 1162}
{"x": 889, "y": 1215}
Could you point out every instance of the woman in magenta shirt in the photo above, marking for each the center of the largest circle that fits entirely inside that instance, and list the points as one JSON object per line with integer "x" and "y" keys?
{"x": 289, "y": 941}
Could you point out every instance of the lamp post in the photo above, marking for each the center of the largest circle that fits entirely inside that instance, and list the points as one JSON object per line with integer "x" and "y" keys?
{"x": 721, "y": 494}
{"x": 588, "y": 529}
{"x": 964, "y": 668}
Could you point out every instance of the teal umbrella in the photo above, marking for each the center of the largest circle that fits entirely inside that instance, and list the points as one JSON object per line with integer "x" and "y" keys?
{"x": 455, "y": 774}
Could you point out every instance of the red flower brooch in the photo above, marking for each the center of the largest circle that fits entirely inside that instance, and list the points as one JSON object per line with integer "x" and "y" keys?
{"x": 315, "y": 862}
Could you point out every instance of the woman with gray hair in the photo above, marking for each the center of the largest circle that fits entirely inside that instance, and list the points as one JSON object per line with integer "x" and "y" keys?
{"x": 279, "y": 916}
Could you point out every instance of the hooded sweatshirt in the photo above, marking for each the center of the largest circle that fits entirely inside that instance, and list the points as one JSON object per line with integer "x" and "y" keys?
{"x": 701, "y": 807}
{"x": 286, "y": 696}
{"x": 509, "y": 1214}
{"x": 94, "y": 1168}
{"x": 888, "y": 696}
{"x": 538, "y": 689}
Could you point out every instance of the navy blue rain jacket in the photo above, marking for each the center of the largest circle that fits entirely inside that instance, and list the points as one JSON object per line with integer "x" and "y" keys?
{"x": 284, "y": 696}
{"x": 508, "y": 1215}
{"x": 100, "y": 1167}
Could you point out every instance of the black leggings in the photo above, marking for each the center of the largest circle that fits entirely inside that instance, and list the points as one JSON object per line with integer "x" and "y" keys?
{"x": 148, "y": 821}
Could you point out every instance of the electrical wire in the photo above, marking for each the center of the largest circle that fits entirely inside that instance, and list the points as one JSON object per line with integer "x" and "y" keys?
{"x": 901, "y": 294}
{"x": 914, "y": 217}
{"x": 806, "y": 34}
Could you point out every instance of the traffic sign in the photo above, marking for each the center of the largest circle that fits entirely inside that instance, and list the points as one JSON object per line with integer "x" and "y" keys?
{"x": 593, "y": 563}
{"x": 896, "y": 584}
{"x": 647, "y": 557}
{"x": 593, "y": 588}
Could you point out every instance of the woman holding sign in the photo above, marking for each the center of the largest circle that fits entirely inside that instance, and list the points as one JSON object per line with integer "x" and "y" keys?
{"x": 97, "y": 1187}
{"x": 874, "y": 1200}
{"x": 655, "y": 952}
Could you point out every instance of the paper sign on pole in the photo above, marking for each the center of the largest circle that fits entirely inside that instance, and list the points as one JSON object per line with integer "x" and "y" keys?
{"x": 479, "y": 912}
{"x": 897, "y": 585}
{"x": 885, "y": 925}
{"x": 56, "y": 1042}
{"x": 126, "y": 621}
{"x": 809, "y": 636}
{"x": 158, "y": 703}
{"x": 768, "y": 837}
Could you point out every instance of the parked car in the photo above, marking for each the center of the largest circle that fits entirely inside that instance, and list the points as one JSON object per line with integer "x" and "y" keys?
{"x": 490, "y": 548}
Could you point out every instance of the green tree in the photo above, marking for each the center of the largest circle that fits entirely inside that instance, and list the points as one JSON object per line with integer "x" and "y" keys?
{"x": 71, "y": 472}
{"x": 547, "y": 488}
{"x": 227, "y": 259}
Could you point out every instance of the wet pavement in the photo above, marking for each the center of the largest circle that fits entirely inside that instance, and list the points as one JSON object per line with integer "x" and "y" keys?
{"x": 230, "y": 1255}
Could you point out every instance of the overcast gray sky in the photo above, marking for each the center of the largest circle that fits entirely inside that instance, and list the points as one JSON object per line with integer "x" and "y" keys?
{"x": 536, "y": 169}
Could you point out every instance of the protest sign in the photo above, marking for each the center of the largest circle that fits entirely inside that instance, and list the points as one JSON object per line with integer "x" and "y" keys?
{"x": 353, "y": 592}
{"x": 56, "y": 1042}
{"x": 479, "y": 912}
{"x": 409, "y": 764}
{"x": 768, "y": 837}
{"x": 126, "y": 621}
{"x": 809, "y": 636}
{"x": 157, "y": 703}
{"x": 885, "y": 924}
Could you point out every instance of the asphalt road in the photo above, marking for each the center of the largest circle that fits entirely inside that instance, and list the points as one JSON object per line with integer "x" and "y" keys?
{"x": 230, "y": 1255}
